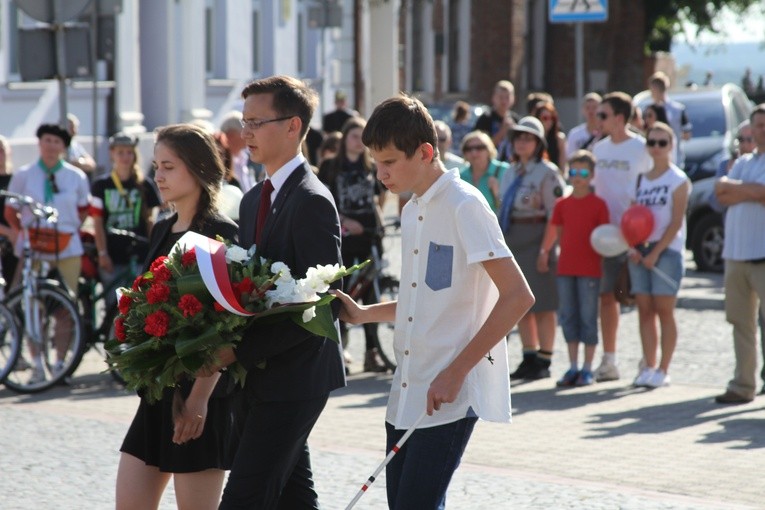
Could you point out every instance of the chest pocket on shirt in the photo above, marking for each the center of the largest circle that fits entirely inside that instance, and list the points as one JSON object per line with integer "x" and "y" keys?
{"x": 439, "y": 272}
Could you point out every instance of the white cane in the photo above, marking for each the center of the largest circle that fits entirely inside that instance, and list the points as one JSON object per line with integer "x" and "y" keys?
{"x": 664, "y": 276}
{"x": 388, "y": 458}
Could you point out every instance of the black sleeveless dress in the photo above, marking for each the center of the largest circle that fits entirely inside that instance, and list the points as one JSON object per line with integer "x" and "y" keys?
{"x": 149, "y": 437}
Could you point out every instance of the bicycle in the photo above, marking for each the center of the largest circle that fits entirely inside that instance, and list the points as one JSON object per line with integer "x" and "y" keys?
{"x": 384, "y": 287}
{"x": 50, "y": 326}
{"x": 95, "y": 303}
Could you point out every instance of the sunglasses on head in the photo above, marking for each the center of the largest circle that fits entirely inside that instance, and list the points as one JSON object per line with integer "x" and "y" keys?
{"x": 471, "y": 148}
{"x": 653, "y": 143}
{"x": 581, "y": 172}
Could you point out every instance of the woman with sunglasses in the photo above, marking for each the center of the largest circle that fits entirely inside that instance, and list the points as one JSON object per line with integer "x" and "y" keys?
{"x": 483, "y": 170}
{"x": 656, "y": 267}
{"x": 529, "y": 191}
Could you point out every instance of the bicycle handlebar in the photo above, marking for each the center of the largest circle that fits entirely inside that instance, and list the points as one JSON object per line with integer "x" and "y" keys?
{"x": 41, "y": 211}
{"x": 127, "y": 233}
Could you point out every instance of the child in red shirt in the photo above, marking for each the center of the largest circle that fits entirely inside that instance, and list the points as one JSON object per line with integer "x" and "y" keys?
{"x": 579, "y": 270}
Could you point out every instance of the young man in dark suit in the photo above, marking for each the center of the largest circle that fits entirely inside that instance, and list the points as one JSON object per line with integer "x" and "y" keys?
{"x": 292, "y": 218}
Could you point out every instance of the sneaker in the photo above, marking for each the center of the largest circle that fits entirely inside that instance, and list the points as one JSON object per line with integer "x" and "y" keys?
{"x": 569, "y": 378}
{"x": 585, "y": 378}
{"x": 658, "y": 379}
{"x": 38, "y": 375}
{"x": 373, "y": 362}
{"x": 606, "y": 372}
{"x": 524, "y": 368}
{"x": 643, "y": 378}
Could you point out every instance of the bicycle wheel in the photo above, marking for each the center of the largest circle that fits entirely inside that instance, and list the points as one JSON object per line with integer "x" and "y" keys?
{"x": 52, "y": 341}
{"x": 386, "y": 290}
{"x": 10, "y": 342}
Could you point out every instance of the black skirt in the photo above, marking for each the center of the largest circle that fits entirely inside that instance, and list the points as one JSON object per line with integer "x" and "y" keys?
{"x": 149, "y": 437}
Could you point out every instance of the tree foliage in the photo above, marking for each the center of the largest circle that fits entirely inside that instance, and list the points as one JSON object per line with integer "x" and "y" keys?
{"x": 664, "y": 18}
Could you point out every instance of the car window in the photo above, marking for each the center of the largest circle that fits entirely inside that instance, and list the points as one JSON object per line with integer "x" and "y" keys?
{"x": 706, "y": 114}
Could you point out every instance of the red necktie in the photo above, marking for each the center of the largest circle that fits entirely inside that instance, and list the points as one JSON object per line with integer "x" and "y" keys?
{"x": 265, "y": 205}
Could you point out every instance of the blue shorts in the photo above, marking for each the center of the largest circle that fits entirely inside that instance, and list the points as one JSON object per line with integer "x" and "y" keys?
{"x": 644, "y": 281}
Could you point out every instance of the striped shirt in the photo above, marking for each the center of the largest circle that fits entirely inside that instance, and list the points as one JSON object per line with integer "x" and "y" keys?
{"x": 745, "y": 221}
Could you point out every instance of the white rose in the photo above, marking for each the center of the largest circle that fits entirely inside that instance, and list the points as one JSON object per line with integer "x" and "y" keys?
{"x": 236, "y": 254}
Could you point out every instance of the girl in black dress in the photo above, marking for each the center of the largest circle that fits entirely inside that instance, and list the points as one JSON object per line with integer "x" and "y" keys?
{"x": 188, "y": 434}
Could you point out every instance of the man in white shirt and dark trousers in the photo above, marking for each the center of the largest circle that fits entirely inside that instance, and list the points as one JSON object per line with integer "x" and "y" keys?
{"x": 743, "y": 192}
{"x": 621, "y": 157}
{"x": 461, "y": 293}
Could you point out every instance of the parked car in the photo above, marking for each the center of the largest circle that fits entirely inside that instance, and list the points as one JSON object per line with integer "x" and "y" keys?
{"x": 715, "y": 113}
{"x": 705, "y": 227}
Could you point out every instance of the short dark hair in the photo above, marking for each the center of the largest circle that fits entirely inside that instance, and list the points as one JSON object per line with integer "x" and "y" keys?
{"x": 55, "y": 130}
{"x": 585, "y": 157}
{"x": 402, "y": 121}
{"x": 621, "y": 104}
{"x": 291, "y": 97}
{"x": 760, "y": 108}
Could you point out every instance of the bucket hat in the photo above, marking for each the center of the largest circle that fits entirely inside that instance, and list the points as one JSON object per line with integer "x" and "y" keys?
{"x": 531, "y": 125}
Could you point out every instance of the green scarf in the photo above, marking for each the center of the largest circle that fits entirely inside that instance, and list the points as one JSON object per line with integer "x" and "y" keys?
{"x": 50, "y": 179}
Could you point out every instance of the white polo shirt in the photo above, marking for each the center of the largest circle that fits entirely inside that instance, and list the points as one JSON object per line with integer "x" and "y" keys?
{"x": 73, "y": 196}
{"x": 444, "y": 298}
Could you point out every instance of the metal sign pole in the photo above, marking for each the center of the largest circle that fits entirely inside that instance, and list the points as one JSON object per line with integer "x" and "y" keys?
{"x": 58, "y": 27}
{"x": 579, "y": 50}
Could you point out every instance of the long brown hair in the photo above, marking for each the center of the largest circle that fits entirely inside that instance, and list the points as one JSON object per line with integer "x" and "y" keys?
{"x": 199, "y": 152}
{"x": 336, "y": 164}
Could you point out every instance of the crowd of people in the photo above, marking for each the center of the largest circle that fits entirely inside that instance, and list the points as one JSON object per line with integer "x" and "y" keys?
{"x": 496, "y": 220}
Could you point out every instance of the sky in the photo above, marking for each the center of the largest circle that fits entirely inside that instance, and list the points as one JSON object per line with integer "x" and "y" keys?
{"x": 750, "y": 28}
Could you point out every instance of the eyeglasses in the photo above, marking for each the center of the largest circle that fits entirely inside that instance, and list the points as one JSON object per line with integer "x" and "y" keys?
{"x": 602, "y": 115}
{"x": 252, "y": 125}
{"x": 472, "y": 148}
{"x": 654, "y": 143}
{"x": 581, "y": 172}
{"x": 745, "y": 139}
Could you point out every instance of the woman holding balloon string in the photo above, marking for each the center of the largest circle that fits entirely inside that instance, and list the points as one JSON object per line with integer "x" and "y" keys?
{"x": 656, "y": 262}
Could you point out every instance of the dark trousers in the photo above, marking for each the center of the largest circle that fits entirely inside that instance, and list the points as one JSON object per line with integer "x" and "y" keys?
{"x": 419, "y": 474}
{"x": 272, "y": 466}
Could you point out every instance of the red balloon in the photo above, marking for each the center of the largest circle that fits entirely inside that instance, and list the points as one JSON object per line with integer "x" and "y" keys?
{"x": 637, "y": 224}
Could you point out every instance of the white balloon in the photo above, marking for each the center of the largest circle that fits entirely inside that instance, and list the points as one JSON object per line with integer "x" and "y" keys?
{"x": 608, "y": 241}
{"x": 228, "y": 200}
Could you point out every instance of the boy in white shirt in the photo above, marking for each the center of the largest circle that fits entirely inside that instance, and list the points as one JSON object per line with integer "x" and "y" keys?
{"x": 461, "y": 293}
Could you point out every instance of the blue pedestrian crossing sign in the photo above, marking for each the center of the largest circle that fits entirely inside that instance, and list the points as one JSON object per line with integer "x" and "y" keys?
{"x": 577, "y": 11}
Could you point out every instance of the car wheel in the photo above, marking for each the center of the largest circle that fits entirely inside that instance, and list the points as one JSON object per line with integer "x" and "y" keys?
{"x": 707, "y": 243}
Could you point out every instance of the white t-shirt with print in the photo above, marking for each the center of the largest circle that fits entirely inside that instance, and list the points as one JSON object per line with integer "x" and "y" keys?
{"x": 616, "y": 171}
{"x": 658, "y": 196}
{"x": 444, "y": 298}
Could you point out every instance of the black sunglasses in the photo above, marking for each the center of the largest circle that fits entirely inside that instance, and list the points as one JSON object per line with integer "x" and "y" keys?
{"x": 602, "y": 115}
{"x": 660, "y": 143}
{"x": 747, "y": 139}
{"x": 472, "y": 148}
{"x": 581, "y": 172}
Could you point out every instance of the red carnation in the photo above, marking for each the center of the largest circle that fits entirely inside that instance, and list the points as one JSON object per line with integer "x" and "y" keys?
{"x": 158, "y": 262}
{"x": 139, "y": 280}
{"x": 189, "y": 258}
{"x": 246, "y": 286}
{"x": 156, "y": 324}
{"x": 124, "y": 304}
{"x": 158, "y": 293}
{"x": 119, "y": 329}
{"x": 190, "y": 305}
{"x": 161, "y": 274}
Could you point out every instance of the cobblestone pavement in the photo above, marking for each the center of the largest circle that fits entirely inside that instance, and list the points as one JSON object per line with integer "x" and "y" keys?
{"x": 607, "y": 446}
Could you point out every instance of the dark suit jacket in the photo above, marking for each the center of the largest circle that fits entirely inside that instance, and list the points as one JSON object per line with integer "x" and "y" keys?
{"x": 302, "y": 230}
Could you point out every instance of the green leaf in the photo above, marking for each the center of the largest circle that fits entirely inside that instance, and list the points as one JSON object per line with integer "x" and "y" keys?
{"x": 323, "y": 324}
{"x": 206, "y": 340}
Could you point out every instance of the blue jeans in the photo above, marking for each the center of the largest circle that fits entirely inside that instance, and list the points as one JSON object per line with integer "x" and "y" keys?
{"x": 419, "y": 474}
{"x": 578, "y": 308}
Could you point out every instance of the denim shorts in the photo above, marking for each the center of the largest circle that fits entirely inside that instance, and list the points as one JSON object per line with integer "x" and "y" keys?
{"x": 645, "y": 281}
{"x": 578, "y": 308}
